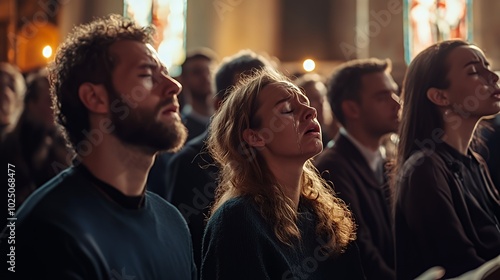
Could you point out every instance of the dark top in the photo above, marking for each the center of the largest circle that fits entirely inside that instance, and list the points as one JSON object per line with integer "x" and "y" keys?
{"x": 356, "y": 184}
{"x": 157, "y": 177}
{"x": 77, "y": 227}
{"x": 195, "y": 126}
{"x": 239, "y": 244}
{"x": 37, "y": 153}
{"x": 447, "y": 213}
{"x": 191, "y": 177}
{"x": 491, "y": 150}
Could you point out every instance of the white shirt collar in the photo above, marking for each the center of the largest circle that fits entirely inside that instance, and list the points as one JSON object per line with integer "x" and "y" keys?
{"x": 373, "y": 158}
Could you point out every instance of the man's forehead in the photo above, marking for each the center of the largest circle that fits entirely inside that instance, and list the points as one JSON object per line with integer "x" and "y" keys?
{"x": 378, "y": 80}
{"x": 135, "y": 52}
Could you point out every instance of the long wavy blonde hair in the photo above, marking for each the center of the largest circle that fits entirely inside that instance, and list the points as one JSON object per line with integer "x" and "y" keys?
{"x": 244, "y": 172}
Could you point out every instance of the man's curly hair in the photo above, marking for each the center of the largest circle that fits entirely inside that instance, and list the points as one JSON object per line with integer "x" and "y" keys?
{"x": 84, "y": 57}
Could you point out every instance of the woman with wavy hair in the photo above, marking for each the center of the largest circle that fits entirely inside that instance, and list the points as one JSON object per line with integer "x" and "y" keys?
{"x": 447, "y": 210}
{"x": 274, "y": 217}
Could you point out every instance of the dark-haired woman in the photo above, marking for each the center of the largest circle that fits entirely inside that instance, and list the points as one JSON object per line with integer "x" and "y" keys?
{"x": 447, "y": 211}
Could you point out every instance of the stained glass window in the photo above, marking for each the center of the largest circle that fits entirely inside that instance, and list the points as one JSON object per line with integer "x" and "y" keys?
{"x": 431, "y": 21}
{"x": 169, "y": 18}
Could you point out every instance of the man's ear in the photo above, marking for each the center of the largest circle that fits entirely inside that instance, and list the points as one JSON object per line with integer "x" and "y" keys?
{"x": 438, "y": 96}
{"x": 351, "y": 109}
{"x": 253, "y": 138}
{"x": 94, "y": 97}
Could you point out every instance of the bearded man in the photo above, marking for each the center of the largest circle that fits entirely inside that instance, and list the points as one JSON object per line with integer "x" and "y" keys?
{"x": 119, "y": 108}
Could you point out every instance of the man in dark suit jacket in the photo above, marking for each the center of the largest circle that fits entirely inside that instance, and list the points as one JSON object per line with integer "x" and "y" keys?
{"x": 362, "y": 96}
{"x": 491, "y": 150}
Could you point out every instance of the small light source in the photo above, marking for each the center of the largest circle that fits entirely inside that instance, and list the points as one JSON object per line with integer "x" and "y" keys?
{"x": 47, "y": 51}
{"x": 309, "y": 65}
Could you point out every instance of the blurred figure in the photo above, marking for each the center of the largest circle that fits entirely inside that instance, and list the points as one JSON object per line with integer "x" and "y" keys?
{"x": 273, "y": 214}
{"x": 447, "y": 210}
{"x": 315, "y": 89}
{"x": 197, "y": 88}
{"x": 12, "y": 91}
{"x": 491, "y": 149}
{"x": 38, "y": 102}
{"x": 191, "y": 174}
{"x": 363, "y": 97}
{"x": 35, "y": 147}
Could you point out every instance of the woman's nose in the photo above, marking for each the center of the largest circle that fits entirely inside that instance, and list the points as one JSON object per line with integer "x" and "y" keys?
{"x": 310, "y": 112}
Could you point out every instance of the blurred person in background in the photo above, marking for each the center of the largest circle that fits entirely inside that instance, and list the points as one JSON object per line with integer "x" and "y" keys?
{"x": 315, "y": 89}
{"x": 198, "y": 90}
{"x": 36, "y": 146}
{"x": 12, "y": 91}
{"x": 363, "y": 97}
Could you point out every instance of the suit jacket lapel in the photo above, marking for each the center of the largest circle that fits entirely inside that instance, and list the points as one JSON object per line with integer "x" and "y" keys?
{"x": 354, "y": 157}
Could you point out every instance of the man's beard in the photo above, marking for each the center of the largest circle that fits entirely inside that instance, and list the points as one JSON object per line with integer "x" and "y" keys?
{"x": 141, "y": 128}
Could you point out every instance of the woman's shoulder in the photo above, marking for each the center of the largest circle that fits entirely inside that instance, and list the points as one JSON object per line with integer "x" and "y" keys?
{"x": 237, "y": 205}
{"x": 237, "y": 216}
{"x": 425, "y": 159}
{"x": 236, "y": 210}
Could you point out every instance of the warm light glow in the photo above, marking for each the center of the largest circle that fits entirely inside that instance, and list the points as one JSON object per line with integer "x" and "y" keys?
{"x": 309, "y": 65}
{"x": 169, "y": 18}
{"x": 47, "y": 51}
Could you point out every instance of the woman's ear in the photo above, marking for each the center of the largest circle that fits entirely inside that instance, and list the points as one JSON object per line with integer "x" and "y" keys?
{"x": 253, "y": 138}
{"x": 94, "y": 97}
{"x": 438, "y": 96}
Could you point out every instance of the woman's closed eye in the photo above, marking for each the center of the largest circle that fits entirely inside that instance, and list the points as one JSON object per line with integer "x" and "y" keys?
{"x": 287, "y": 109}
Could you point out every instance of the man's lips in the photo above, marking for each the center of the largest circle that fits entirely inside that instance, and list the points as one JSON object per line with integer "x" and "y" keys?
{"x": 170, "y": 109}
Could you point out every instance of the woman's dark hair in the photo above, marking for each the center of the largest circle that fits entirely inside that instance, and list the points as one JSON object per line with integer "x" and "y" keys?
{"x": 420, "y": 117}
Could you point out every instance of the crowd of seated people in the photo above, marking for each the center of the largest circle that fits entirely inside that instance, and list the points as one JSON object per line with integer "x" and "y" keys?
{"x": 252, "y": 174}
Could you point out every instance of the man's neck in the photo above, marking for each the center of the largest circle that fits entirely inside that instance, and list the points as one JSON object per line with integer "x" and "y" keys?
{"x": 364, "y": 138}
{"x": 123, "y": 167}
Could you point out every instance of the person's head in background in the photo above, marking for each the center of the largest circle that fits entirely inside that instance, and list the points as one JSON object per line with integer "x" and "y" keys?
{"x": 315, "y": 89}
{"x": 263, "y": 137}
{"x": 12, "y": 92}
{"x": 447, "y": 89}
{"x": 363, "y": 97}
{"x": 232, "y": 69}
{"x": 196, "y": 79}
{"x": 38, "y": 102}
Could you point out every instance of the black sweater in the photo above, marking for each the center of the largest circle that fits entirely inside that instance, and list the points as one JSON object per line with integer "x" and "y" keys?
{"x": 239, "y": 244}
{"x": 71, "y": 229}
{"x": 447, "y": 213}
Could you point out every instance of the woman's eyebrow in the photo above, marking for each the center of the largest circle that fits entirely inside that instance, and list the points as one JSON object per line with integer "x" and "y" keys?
{"x": 283, "y": 100}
